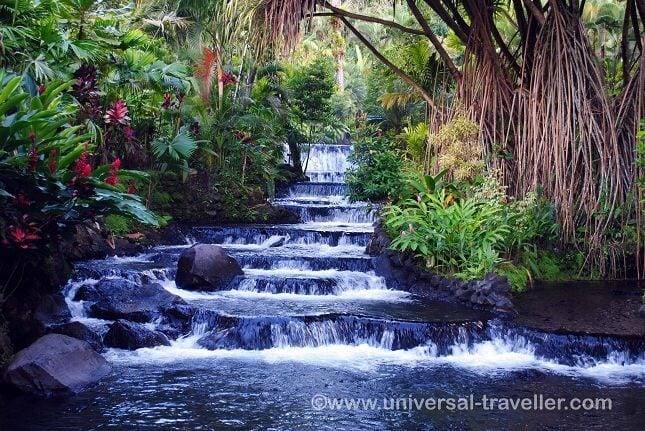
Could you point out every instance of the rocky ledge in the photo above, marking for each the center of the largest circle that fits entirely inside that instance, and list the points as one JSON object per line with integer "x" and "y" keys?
{"x": 403, "y": 271}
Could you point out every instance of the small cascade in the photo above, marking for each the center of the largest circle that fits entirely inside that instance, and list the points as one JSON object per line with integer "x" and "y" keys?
{"x": 329, "y": 213}
{"x": 314, "y": 263}
{"x": 306, "y": 282}
{"x": 258, "y": 235}
{"x": 326, "y": 177}
{"x": 483, "y": 341}
{"x": 324, "y": 158}
{"x": 312, "y": 190}
{"x": 259, "y": 333}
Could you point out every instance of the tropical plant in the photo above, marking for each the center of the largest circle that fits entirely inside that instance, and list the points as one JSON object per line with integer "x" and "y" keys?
{"x": 378, "y": 170}
{"x": 47, "y": 179}
{"x": 470, "y": 236}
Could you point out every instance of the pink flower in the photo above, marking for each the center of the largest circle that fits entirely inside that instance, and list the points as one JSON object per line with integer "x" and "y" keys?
{"x": 117, "y": 113}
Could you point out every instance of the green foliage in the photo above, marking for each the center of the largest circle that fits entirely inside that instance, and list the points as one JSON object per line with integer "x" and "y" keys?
{"x": 472, "y": 235}
{"x": 458, "y": 150}
{"x": 377, "y": 174}
{"x": 310, "y": 89}
{"x": 416, "y": 139}
{"x": 117, "y": 225}
{"x": 47, "y": 183}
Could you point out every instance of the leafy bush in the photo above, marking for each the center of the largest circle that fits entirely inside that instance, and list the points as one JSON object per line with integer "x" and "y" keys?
{"x": 458, "y": 150}
{"x": 117, "y": 225}
{"x": 310, "y": 90}
{"x": 415, "y": 139}
{"x": 377, "y": 174}
{"x": 473, "y": 235}
{"x": 48, "y": 181}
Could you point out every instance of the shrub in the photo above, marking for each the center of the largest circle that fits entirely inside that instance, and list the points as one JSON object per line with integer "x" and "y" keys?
{"x": 472, "y": 235}
{"x": 415, "y": 139}
{"x": 117, "y": 225}
{"x": 458, "y": 150}
{"x": 377, "y": 174}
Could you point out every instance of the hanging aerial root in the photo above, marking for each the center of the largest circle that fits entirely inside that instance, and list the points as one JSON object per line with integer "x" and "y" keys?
{"x": 567, "y": 142}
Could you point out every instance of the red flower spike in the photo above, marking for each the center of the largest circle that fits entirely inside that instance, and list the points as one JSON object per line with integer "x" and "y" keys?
{"x": 112, "y": 178}
{"x": 117, "y": 114}
{"x": 82, "y": 168}
{"x": 53, "y": 161}
{"x": 23, "y": 237}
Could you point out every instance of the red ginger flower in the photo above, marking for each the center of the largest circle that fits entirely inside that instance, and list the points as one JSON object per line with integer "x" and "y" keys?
{"x": 117, "y": 114}
{"x": 82, "y": 168}
{"x": 112, "y": 178}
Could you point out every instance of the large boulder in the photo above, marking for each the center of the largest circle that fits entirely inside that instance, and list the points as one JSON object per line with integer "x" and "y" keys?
{"x": 80, "y": 332}
{"x": 123, "y": 299}
{"x": 56, "y": 365}
{"x": 206, "y": 267}
{"x": 131, "y": 336}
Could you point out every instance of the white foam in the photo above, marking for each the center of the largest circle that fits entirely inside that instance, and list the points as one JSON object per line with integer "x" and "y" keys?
{"x": 483, "y": 358}
{"x": 355, "y": 295}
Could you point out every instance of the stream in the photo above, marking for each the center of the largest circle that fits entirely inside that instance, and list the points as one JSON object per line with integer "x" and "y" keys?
{"x": 310, "y": 324}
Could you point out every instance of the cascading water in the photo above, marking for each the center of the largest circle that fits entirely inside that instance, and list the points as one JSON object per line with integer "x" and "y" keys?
{"x": 310, "y": 316}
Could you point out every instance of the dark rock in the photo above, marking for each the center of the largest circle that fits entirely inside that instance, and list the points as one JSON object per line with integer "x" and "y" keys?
{"x": 463, "y": 293}
{"x": 131, "y": 336}
{"x": 40, "y": 275}
{"x": 641, "y": 311}
{"x": 278, "y": 243}
{"x": 79, "y": 331}
{"x": 52, "y": 310}
{"x": 179, "y": 317}
{"x": 500, "y": 301}
{"x": 206, "y": 267}
{"x": 123, "y": 299}
{"x": 56, "y": 365}
{"x": 87, "y": 241}
{"x": 484, "y": 287}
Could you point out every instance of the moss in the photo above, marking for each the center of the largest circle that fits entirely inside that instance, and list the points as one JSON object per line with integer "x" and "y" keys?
{"x": 518, "y": 276}
{"x": 117, "y": 224}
